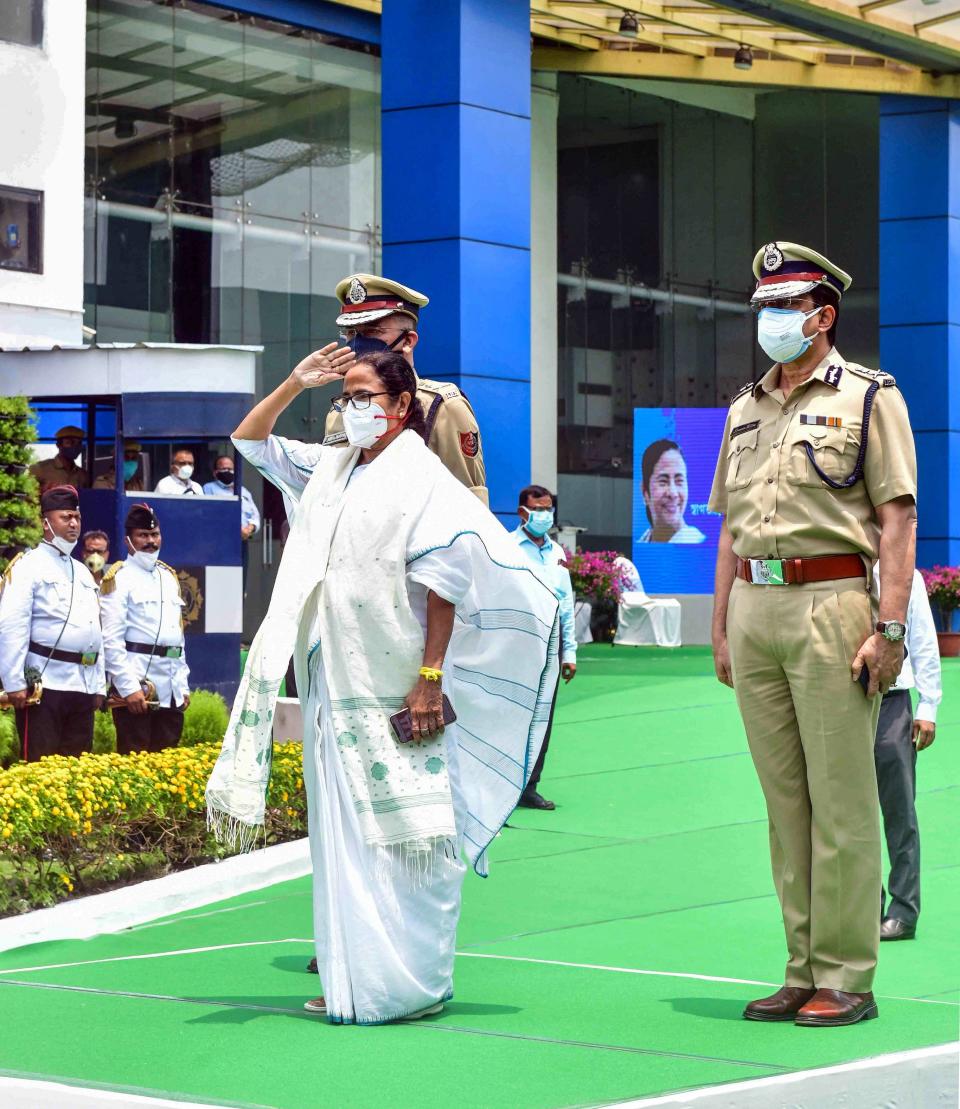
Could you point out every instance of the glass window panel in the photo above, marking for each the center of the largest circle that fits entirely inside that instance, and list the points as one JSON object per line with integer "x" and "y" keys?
{"x": 21, "y": 21}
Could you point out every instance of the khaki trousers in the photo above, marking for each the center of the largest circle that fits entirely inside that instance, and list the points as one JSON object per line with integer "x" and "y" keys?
{"x": 811, "y": 734}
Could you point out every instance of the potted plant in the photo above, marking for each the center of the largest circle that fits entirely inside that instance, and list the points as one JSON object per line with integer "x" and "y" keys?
{"x": 19, "y": 514}
{"x": 597, "y": 579}
{"x": 943, "y": 589}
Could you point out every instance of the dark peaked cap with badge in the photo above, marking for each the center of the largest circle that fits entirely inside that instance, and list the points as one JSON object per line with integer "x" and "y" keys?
{"x": 789, "y": 270}
{"x": 60, "y": 498}
{"x": 366, "y": 297}
{"x": 141, "y": 516}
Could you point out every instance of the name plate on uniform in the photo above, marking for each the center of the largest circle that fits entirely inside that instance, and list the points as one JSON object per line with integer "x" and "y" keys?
{"x": 767, "y": 571}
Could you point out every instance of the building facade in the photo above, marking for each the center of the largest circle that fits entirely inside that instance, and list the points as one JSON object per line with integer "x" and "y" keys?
{"x": 583, "y": 221}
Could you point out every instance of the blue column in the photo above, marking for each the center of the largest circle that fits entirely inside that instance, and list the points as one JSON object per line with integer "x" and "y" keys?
{"x": 920, "y": 300}
{"x": 456, "y": 207}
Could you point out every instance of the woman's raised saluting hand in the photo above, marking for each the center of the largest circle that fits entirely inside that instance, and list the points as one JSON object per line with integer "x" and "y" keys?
{"x": 327, "y": 364}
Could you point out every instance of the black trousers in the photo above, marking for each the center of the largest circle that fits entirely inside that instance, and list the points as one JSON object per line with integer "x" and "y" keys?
{"x": 147, "y": 731}
{"x": 896, "y": 759}
{"x": 62, "y": 724}
{"x": 541, "y": 758}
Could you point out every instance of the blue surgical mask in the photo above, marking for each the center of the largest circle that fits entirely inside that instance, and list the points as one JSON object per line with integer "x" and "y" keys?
{"x": 780, "y": 333}
{"x": 539, "y": 521}
{"x": 367, "y": 344}
{"x": 129, "y": 469}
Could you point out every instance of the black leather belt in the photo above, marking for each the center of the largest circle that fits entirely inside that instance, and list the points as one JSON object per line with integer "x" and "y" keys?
{"x": 87, "y": 658}
{"x": 158, "y": 650}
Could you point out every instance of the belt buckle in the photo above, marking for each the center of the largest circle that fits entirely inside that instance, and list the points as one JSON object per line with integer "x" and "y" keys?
{"x": 171, "y": 652}
{"x": 767, "y": 571}
{"x": 88, "y": 658}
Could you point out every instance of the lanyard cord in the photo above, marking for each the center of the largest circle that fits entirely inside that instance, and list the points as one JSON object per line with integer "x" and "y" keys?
{"x": 857, "y": 474}
{"x": 156, "y": 638}
{"x": 73, "y": 578}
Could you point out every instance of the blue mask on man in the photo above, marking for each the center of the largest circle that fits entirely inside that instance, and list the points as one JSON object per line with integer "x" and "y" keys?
{"x": 368, "y": 344}
{"x": 539, "y": 521}
{"x": 129, "y": 468}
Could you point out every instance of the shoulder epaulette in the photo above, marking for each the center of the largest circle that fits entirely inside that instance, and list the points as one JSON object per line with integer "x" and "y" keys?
{"x": 446, "y": 389}
{"x": 108, "y": 583}
{"x": 168, "y": 567}
{"x": 883, "y": 379}
{"x": 748, "y": 388}
{"x": 10, "y": 565}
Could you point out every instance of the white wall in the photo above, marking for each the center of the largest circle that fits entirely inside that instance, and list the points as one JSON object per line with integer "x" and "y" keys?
{"x": 41, "y": 147}
{"x": 543, "y": 280}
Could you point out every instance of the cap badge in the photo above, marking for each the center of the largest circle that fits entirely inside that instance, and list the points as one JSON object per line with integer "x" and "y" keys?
{"x": 357, "y": 293}
{"x": 772, "y": 257}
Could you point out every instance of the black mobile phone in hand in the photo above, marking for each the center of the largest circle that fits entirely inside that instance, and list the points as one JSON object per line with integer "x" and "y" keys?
{"x": 864, "y": 678}
{"x": 402, "y": 721}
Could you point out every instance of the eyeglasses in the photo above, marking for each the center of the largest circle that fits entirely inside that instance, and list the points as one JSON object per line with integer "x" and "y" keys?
{"x": 792, "y": 304}
{"x": 360, "y": 401}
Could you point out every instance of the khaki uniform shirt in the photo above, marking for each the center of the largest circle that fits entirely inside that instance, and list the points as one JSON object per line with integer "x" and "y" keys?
{"x": 454, "y": 433}
{"x": 776, "y": 504}
{"x": 58, "y": 471}
{"x": 108, "y": 480}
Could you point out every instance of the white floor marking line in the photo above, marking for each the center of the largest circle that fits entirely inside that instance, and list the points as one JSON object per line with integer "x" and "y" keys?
{"x": 192, "y": 916}
{"x": 669, "y": 974}
{"x": 151, "y": 955}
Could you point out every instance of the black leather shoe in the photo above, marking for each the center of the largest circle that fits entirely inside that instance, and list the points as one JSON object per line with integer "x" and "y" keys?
{"x": 783, "y": 1005}
{"x": 893, "y": 929}
{"x": 312, "y": 967}
{"x": 533, "y": 800}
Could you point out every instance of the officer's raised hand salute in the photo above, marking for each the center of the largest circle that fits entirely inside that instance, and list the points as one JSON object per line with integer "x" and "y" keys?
{"x": 816, "y": 479}
{"x": 50, "y": 624}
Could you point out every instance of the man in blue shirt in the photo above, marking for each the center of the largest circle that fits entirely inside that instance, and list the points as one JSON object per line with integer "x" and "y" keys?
{"x": 536, "y": 511}
{"x": 222, "y": 486}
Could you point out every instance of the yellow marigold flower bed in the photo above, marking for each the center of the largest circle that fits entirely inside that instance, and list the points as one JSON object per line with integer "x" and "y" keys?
{"x": 75, "y": 825}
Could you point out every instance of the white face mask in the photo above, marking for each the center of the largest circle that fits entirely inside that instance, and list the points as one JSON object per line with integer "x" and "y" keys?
{"x": 185, "y": 472}
{"x": 64, "y": 546}
{"x": 146, "y": 560}
{"x": 780, "y": 333}
{"x": 95, "y": 562}
{"x": 364, "y": 428}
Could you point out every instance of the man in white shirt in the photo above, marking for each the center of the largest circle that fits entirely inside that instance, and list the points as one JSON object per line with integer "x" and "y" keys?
{"x": 223, "y": 486}
{"x": 900, "y": 735}
{"x": 536, "y": 511}
{"x": 50, "y": 625}
{"x": 178, "y": 481}
{"x": 143, "y": 639}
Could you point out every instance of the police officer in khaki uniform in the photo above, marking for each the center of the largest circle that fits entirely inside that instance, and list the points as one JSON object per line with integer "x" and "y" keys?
{"x": 379, "y": 314}
{"x": 62, "y": 469}
{"x": 816, "y": 480}
{"x": 132, "y": 478}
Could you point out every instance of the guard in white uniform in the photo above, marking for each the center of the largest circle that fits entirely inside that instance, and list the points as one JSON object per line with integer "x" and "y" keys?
{"x": 50, "y": 624}
{"x": 143, "y": 639}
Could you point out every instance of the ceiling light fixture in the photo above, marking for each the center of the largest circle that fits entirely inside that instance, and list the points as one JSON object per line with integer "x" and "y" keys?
{"x": 743, "y": 59}
{"x": 629, "y": 25}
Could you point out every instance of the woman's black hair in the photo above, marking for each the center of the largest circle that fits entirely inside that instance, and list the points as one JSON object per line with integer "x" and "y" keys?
{"x": 651, "y": 456}
{"x": 397, "y": 376}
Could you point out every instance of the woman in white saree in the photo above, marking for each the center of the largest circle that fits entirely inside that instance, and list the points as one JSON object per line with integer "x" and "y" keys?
{"x": 396, "y": 585}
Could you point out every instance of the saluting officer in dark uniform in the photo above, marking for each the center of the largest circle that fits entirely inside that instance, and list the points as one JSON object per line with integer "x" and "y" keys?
{"x": 816, "y": 480}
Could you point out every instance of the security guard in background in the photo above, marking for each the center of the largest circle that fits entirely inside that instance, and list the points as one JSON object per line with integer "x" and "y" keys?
{"x": 379, "y": 314}
{"x": 132, "y": 479}
{"x": 143, "y": 639}
{"x": 50, "y": 623}
{"x": 62, "y": 469}
{"x": 816, "y": 479}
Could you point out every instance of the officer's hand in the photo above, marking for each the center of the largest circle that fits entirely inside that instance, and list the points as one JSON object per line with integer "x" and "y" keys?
{"x": 721, "y": 661}
{"x": 327, "y": 364}
{"x": 569, "y": 671}
{"x": 882, "y": 659}
{"x": 246, "y": 531}
{"x": 17, "y": 698}
{"x": 136, "y": 703}
{"x": 186, "y": 701}
{"x": 98, "y": 702}
{"x": 924, "y": 733}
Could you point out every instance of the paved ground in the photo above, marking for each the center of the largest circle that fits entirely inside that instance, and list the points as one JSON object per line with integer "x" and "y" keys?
{"x": 607, "y": 957}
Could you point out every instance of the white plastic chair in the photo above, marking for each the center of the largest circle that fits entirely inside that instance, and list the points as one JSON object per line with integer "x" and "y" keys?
{"x": 645, "y": 621}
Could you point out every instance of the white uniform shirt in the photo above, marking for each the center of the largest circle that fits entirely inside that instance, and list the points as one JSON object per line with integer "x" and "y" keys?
{"x": 178, "y": 486}
{"x": 144, "y": 607}
{"x": 44, "y": 587}
{"x": 921, "y": 667}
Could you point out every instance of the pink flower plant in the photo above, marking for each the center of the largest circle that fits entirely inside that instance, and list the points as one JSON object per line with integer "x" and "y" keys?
{"x": 943, "y": 588}
{"x": 595, "y": 576}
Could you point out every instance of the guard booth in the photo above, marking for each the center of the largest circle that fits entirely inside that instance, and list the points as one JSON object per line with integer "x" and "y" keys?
{"x": 164, "y": 396}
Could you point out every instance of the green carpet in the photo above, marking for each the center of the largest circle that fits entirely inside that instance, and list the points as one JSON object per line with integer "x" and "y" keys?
{"x": 654, "y": 861}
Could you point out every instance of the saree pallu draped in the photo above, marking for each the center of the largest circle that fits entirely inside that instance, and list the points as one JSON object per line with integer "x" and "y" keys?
{"x": 388, "y": 820}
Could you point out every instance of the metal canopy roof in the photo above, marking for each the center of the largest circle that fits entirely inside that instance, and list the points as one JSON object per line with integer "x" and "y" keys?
{"x": 875, "y": 46}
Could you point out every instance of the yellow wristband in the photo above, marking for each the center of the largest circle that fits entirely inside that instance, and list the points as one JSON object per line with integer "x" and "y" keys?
{"x": 430, "y": 674}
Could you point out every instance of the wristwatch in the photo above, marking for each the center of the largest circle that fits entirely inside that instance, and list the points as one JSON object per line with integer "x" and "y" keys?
{"x": 892, "y": 630}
